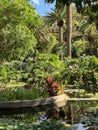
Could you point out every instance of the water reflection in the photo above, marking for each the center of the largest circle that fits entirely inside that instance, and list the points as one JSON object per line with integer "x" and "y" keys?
{"x": 55, "y": 113}
{"x": 80, "y": 111}
{"x": 80, "y": 126}
{"x": 72, "y": 114}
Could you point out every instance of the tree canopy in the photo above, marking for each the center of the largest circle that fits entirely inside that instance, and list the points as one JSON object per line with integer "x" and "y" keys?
{"x": 17, "y": 20}
{"x": 87, "y": 7}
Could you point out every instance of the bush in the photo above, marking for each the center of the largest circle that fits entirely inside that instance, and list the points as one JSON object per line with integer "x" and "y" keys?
{"x": 43, "y": 66}
{"x": 82, "y": 73}
{"x": 20, "y": 93}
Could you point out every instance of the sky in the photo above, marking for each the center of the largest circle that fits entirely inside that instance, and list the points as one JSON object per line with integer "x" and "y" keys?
{"x": 41, "y": 7}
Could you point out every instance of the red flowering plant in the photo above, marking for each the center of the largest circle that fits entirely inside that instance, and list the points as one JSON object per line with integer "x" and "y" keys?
{"x": 52, "y": 86}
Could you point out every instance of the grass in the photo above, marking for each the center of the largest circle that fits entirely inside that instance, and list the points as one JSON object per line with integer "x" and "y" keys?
{"x": 18, "y": 92}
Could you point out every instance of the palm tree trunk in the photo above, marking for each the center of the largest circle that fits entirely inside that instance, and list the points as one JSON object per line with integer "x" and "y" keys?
{"x": 69, "y": 29}
{"x": 60, "y": 34}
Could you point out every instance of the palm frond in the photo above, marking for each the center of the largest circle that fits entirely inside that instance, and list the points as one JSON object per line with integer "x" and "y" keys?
{"x": 49, "y": 1}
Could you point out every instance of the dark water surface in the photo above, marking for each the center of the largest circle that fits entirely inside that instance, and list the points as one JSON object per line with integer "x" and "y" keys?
{"x": 83, "y": 114}
{"x": 75, "y": 114}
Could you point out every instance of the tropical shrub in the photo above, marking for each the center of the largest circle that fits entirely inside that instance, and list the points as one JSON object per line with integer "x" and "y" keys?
{"x": 80, "y": 47}
{"x": 20, "y": 93}
{"x": 82, "y": 73}
{"x": 44, "y": 65}
{"x": 47, "y": 44}
{"x": 9, "y": 73}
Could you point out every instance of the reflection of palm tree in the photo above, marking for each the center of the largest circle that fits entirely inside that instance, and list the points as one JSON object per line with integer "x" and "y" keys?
{"x": 57, "y": 16}
{"x": 68, "y": 23}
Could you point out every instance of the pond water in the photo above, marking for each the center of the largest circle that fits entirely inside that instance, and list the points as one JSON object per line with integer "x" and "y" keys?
{"x": 80, "y": 126}
{"x": 82, "y": 114}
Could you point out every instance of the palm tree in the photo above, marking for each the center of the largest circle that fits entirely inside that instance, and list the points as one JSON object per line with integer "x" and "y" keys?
{"x": 56, "y": 17}
{"x": 44, "y": 38}
{"x": 60, "y": 4}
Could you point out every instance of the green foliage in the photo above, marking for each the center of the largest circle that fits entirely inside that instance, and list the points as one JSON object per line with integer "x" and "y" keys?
{"x": 3, "y": 71}
{"x": 46, "y": 45}
{"x": 90, "y": 117}
{"x": 32, "y": 73}
{"x": 45, "y": 65}
{"x": 79, "y": 73}
{"x": 89, "y": 8}
{"x": 16, "y": 37}
{"x": 84, "y": 37}
{"x": 55, "y": 16}
{"x": 90, "y": 62}
{"x": 80, "y": 47}
{"x": 82, "y": 73}
{"x": 20, "y": 93}
{"x": 60, "y": 50}
{"x": 11, "y": 124}
{"x": 16, "y": 41}
{"x": 54, "y": 125}
{"x": 9, "y": 73}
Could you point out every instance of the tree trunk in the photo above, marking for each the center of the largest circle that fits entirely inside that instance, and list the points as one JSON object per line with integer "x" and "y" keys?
{"x": 60, "y": 34}
{"x": 69, "y": 29}
{"x": 60, "y": 24}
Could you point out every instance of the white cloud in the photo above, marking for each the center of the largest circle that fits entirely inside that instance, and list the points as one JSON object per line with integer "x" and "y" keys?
{"x": 36, "y": 1}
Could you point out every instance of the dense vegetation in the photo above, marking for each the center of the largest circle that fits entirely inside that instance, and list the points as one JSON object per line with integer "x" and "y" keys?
{"x": 17, "y": 125}
{"x": 34, "y": 47}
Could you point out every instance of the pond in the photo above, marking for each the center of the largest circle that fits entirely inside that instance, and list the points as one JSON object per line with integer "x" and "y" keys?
{"x": 82, "y": 114}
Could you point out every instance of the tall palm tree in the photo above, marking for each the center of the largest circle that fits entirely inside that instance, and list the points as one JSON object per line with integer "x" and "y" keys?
{"x": 69, "y": 29}
{"x": 61, "y": 3}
